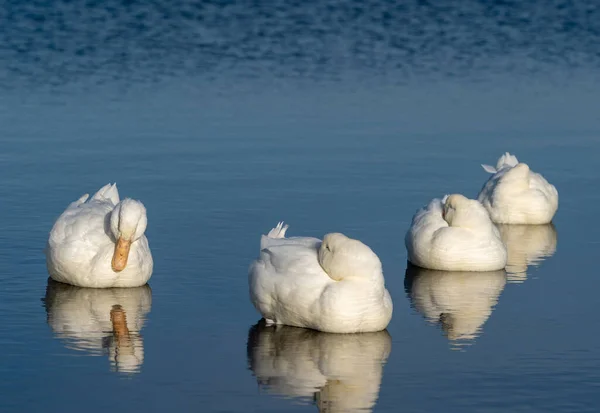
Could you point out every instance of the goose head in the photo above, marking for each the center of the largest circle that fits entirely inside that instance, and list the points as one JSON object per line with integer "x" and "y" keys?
{"x": 517, "y": 176}
{"x": 460, "y": 211}
{"x": 342, "y": 257}
{"x": 128, "y": 222}
{"x": 515, "y": 180}
{"x": 521, "y": 169}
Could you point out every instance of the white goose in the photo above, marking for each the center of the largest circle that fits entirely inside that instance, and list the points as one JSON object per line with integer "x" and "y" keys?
{"x": 101, "y": 321}
{"x": 455, "y": 234}
{"x": 460, "y": 301}
{"x": 341, "y": 372}
{"x": 527, "y": 245}
{"x": 514, "y": 194}
{"x": 100, "y": 243}
{"x": 335, "y": 286}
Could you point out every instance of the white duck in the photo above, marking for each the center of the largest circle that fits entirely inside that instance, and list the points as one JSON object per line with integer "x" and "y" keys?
{"x": 514, "y": 194}
{"x": 527, "y": 245}
{"x": 460, "y": 301}
{"x": 341, "y": 372}
{"x": 100, "y": 243}
{"x": 100, "y": 321}
{"x": 335, "y": 286}
{"x": 455, "y": 234}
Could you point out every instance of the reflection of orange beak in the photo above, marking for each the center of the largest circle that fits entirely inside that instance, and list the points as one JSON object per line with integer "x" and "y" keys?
{"x": 119, "y": 322}
{"x": 119, "y": 260}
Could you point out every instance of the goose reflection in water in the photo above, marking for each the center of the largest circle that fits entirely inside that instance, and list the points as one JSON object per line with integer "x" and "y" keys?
{"x": 527, "y": 245}
{"x": 340, "y": 372}
{"x": 460, "y": 301}
{"x": 100, "y": 321}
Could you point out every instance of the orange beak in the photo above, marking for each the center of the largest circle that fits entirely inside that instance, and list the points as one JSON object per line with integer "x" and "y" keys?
{"x": 119, "y": 260}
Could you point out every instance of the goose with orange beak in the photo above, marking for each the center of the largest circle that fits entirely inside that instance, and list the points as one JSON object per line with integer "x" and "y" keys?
{"x": 100, "y": 242}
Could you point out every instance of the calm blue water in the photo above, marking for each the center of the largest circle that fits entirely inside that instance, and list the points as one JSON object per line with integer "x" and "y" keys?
{"x": 225, "y": 118}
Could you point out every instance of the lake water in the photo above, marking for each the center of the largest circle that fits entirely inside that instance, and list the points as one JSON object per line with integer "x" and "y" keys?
{"x": 333, "y": 116}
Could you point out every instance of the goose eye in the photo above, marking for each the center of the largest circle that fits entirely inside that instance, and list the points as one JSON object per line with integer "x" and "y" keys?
{"x": 327, "y": 248}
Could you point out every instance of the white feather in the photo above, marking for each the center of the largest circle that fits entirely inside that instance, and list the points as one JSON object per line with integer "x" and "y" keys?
{"x": 108, "y": 193}
{"x": 489, "y": 168}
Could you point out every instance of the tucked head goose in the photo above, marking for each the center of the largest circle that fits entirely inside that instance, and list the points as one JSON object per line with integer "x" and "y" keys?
{"x": 514, "y": 194}
{"x": 100, "y": 243}
{"x": 336, "y": 285}
{"x": 455, "y": 234}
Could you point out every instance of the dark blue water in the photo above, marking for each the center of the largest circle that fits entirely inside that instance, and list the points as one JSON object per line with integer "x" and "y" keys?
{"x": 224, "y": 118}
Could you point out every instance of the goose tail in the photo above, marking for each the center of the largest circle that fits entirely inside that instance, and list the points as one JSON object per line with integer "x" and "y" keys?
{"x": 505, "y": 160}
{"x": 109, "y": 192}
{"x": 278, "y": 231}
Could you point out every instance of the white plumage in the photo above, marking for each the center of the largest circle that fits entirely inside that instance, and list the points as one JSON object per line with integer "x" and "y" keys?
{"x": 455, "y": 234}
{"x": 336, "y": 285}
{"x": 514, "y": 194}
{"x": 100, "y": 243}
{"x": 341, "y": 371}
